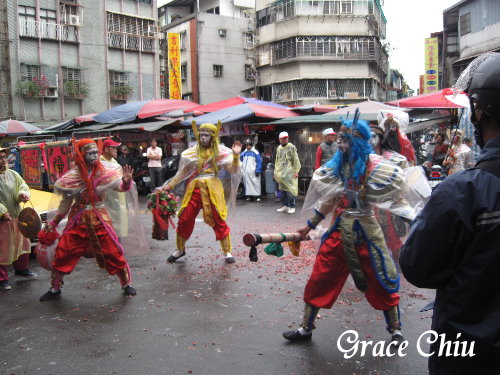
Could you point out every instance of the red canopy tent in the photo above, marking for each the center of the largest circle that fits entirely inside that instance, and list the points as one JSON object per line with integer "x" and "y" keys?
{"x": 232, "y": 102}
{"x": 435, "y": 100}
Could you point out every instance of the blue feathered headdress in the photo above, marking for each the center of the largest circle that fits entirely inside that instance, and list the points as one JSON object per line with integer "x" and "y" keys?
{"x": 359, "y": 134}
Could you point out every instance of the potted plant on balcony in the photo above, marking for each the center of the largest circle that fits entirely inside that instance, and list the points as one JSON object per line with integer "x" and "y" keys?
{"x": 43, "y": 84}
{"x": 27, "y": 87}
{"x": 121, "y": 92}
{"x": 74, "y": 90}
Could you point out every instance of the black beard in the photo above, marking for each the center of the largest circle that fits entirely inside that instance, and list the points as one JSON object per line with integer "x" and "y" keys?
{"x": 392, "y": 142}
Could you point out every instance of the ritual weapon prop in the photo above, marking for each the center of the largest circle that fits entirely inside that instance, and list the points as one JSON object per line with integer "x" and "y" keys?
{"x": 253, "y": 240}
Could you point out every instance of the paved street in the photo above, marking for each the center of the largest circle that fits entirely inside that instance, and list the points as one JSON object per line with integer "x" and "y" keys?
{"x": 200, "y": 315}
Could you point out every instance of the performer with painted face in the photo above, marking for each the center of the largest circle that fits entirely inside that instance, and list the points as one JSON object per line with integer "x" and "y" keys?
{"x": 347, "y": 186}
{"x": 89, "y": 232}
{"x": 394, "y": 123}
{"x": 198, "y": 168}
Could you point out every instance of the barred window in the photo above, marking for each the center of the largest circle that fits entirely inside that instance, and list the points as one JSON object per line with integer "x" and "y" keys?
{"x": 118, "y": 79}
{"x": 33, "y": 71}
{"x": 217, "y": 70}
{"x": 465, "y": 24}
{"x": 184, "y": 71}
{"x": 182, "y": 37}
{"x": 73, "y": 75}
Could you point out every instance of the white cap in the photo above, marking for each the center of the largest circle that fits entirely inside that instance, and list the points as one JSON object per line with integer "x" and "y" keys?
{"x": 328, "y": 131}
{"x": 283, "y": 135}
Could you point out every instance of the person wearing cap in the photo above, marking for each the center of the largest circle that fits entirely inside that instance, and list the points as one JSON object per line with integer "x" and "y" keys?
{"x": 251, "y": 168}
{"x": 453, "y": 245}
{"x": 348, "y": 186}
{"x": 327, "y": 148}
{"x": 89, "y": 231}
{"x": 286, "y": 173}
{"x": 154, "y": 155}
{"x": 115, "y": 200}
{"x": 459, "y": 155}
{"x": 14, "y": 247}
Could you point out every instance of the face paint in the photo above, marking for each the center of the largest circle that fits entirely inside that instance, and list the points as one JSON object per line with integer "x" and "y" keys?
{"x": 344, "y": 145}
{"x": 91, "y": 156}
{"x": 205, "y": 138}
{"x": 375, "y": 140}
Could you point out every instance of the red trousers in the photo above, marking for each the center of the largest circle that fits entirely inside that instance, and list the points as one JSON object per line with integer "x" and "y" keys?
{"x": 330, "y": 273}
{"x": 188, "y": 215}
{"x": 75, "y": 243}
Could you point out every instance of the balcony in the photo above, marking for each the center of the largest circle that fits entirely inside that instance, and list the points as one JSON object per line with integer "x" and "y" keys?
{"x": 50, "y": 31}
{"x": 131, "y": 42}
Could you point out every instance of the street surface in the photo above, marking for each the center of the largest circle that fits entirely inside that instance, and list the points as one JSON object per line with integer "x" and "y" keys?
{"x": 199, "y": 316}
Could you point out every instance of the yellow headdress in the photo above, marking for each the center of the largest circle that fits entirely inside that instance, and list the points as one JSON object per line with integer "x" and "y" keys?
{"x": 214, "y": 148}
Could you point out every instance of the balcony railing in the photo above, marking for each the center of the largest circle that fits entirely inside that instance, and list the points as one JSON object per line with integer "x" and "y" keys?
{"x": 131, "y": 42}
{"x": 51, "y": 31}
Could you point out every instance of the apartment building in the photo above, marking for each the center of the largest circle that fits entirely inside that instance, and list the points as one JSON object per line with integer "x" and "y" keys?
{"x": 320, "y": 51}
{"x": 216, "y": 38}
{"x": 71, "y": 57}
{"x": 470, "y": 28}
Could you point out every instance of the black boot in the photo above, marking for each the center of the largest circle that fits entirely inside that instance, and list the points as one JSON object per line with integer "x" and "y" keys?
{"x": 173, "y": 259}
{"x": 50, "y": 295}
{"x": 129, "y": 291}
{"x": 295, "y": 335}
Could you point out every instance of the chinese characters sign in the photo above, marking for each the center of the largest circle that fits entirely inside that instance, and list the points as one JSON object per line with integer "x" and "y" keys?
{"x": 174, "y": 66}
{"x": 31, "y": 160}
{"x": 431, "y": 82}
{"x": 58, "y": 160}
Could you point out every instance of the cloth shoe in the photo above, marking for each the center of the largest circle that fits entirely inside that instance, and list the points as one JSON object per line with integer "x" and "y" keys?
{"x": 398, "y": 339}
{"x": 291, "y": 210}
{"x": 129, "y": 291}
{"x": 230, "y": 260}
{"x": 27, "y": 274}
{"x": 50, "y": 295}
{"x": 258, "y": 199}
{"x": 295, "y": 335}
{"x": 172, "y": 258}
{"x": 282, "y": 209}
{"x": 4, "y": 285}
{"x": 249, "y": 199}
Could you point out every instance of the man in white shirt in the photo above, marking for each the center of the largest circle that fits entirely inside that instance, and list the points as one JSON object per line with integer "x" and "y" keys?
{"x": 154, "y": 155}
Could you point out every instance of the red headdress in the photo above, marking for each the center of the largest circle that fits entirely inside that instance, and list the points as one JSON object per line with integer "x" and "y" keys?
{"x": 79, "y": 152}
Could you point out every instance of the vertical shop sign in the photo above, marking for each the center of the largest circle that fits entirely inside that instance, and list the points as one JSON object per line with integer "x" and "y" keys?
{"x": 174, "y": 66}
{"x": 31, "y": 160}
{"x": 431, "y": 82}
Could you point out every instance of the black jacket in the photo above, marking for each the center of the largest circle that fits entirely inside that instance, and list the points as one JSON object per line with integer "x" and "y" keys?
{"x": 454, "y": 247}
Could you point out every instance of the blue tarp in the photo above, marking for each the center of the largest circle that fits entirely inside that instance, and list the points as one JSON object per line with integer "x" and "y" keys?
{"x": 120, "y": 114}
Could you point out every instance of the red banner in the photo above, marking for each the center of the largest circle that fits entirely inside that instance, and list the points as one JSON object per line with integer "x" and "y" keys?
{"x": 58, "y": 160}
{"x": 31, "y": 160}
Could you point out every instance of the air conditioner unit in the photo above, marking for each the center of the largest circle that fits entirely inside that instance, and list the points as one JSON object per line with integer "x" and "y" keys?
{"x": 222, "y": 32}
{"x": 73, "y": 19}
{"x": 51, "y": 93}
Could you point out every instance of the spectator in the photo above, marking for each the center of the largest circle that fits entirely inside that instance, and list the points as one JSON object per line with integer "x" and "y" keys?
{"x": 286, "y": 173}
{"x": 251, "y": 168}
{"x": 440, "y": 149}
{"x": 327, "y": 148}
{"x": 453, "y": 243}
{"x": 109, "y": 151}
{"x": 459, "y": 156}
{"x": 125, "y": 158}
{"x": 14, "y": 247}
{"x": 154, "y": 155}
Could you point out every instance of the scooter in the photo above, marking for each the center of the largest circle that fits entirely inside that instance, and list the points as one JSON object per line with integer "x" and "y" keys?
{"x": 141, "y": 175}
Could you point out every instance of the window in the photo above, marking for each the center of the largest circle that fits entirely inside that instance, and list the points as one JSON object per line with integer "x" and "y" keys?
{"x": 184, "y": 71}
{"x": 217, "y": 70}
{"x": 249, "y": 72}
{"x": 248, "y": 41}
{"x": 182, "y": 37}
{"x": 119, "y": 79}
{"x": 26, "y": 13}
{"x": 346, "y": 7}
{"x": 465, "y": 24}
{"x": 48, "y": 16}
{"x": 215, "y": 10}
{"x": 32, "y": 72}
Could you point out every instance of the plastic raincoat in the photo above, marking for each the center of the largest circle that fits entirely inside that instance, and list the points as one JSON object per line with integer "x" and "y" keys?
{"x": 287, "y": 164}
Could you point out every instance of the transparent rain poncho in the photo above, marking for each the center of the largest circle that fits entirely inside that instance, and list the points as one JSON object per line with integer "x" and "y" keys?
{"x": 287, "y": 164}
{"x": 71, "y": 199}
{"x": 229, "y": 175}
{"x": 388, "y": 187}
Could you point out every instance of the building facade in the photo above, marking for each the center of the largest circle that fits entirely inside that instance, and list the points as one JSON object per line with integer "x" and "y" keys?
{"x": 326, "y": 51}
{"x": 72, "y": 57}
{"x": 216, "y": 41}
{"x": 470, "y": 28}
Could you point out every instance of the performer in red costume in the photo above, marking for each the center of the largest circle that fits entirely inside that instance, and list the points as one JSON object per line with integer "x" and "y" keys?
{"x": 89, "y": 231}
{"x": 395, "y": 122}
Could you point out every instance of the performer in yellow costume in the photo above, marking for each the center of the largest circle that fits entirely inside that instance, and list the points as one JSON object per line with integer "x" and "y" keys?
{"x": 199, "y": 168}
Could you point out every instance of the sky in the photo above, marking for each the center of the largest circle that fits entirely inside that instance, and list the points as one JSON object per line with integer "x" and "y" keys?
{"x": 409, "y": 22}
